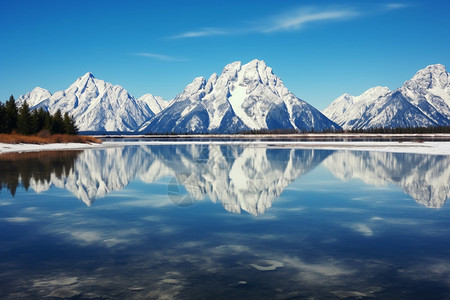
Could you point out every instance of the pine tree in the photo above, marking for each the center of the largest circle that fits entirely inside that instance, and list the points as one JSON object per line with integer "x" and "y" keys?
{"x": 34, "y": 121}
{"x": 48, "y": 119}
{"x": 69, "y": 125}
{"x": 57, "y": 123}
{"x": 39, "y": 117}
{"x": 24, "y": 120}
{"x": 11, "y": 114}
{"x": 2, "y": 118}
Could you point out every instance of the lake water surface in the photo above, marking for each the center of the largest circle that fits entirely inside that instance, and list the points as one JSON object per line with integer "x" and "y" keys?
{"x": 221, "y": 222}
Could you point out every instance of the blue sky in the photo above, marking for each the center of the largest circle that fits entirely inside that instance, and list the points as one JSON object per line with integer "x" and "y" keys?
{"x": 320, "y": 49}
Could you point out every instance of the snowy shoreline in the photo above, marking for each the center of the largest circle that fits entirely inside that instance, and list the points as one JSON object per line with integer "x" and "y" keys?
{"x": 427, "y": 147}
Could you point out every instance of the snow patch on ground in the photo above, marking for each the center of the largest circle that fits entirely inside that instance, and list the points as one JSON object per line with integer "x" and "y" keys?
{"x": 5, "y": 148}
{"x": 432, "y": 148}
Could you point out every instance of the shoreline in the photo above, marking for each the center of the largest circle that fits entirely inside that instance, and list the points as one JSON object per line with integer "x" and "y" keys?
{"x": 290, "y": 136}
{"x": 433, "y": 144}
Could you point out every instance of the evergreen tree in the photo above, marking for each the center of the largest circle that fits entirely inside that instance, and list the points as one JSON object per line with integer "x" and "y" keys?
{"x": 69, "y": 125}
{"x": 34, "y": 121}
{"x": 57, "y": 123}
{"x": 2, "y": 118}
{"x": 48, "y": 120}
{"x": 11, "y": 114}
{"x": 39, "y": 117}
{"x": 24, "y": 120}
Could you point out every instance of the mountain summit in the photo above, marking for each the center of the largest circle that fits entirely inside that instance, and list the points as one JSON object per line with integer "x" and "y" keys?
{"x": 422, "y": 101}
{"x": 97, "y": 105}
{"x": 243, "y": 97}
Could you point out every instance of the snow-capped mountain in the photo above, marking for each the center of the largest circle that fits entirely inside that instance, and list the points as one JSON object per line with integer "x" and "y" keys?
{"x": 429, "y": 90}
{"x": 36, "y": 96}
{"x": 346, "y": 110}
{"x": 97, "y": 105}
{"x": 421, "y": 102}
{"x": 243, "y": 97}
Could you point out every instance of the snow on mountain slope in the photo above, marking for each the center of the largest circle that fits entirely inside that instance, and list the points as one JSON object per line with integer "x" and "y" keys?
{"x": 243, "y": 97}
{"x": 33, "y": 98}
{"x": 428, "y": 95}
{"x": 97, "y": 105}
{"x": 429, "y": 90}
{"x": 346, "y": 110}
{"x": 155, "y": 104}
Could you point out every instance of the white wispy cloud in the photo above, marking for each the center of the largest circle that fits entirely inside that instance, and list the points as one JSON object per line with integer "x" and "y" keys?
{"x": 201, "y": 33}
{"x": 159, "y": 56}
{"x": 301, "y": 17}
{"x": 294, "y": 20}
{"x": 392, "y": 6}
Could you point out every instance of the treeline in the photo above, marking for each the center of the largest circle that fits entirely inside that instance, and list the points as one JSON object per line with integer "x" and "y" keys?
{"x": 404, "y": 130}
{"x": 24, "y": 121}
{"x": 398, "y": 130}
{"x": 290, "y": 131}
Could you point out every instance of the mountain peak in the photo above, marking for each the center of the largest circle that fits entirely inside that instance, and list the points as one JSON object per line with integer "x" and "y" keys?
{"x": 256, "y": 62}
{"x": 373, "y": 93}
{"x": 432, "y": 77}
{"x": 36, "y": 96}
{"x": 430, "y": 73}
{"x": 233, "y": 67}
{"x": 436, "y": 68}
{"x": 87, "y": 75}
{"x": 40, "y": 90}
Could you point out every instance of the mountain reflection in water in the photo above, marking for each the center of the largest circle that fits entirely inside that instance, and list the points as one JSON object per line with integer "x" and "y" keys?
{"x": 242, "y": 178}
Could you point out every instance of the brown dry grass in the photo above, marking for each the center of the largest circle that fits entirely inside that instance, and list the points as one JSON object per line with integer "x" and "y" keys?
{"x": 15, "y": 138}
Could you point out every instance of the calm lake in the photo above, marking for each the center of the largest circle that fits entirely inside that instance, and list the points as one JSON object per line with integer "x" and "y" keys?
{"x": 224, "y": 222}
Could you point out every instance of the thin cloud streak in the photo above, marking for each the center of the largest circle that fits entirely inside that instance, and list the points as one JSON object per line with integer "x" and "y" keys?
{"x": 392, "y": 6}
{"x": 201, "y": 33}
{"x": 159, "y": 56}
{"x": 292, "y": 21}
{"x": 300, "y": 18}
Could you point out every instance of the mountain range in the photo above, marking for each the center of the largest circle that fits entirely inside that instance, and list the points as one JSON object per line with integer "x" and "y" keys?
{"x": 247, "y": 97}
{"x": 422, "y": 101}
